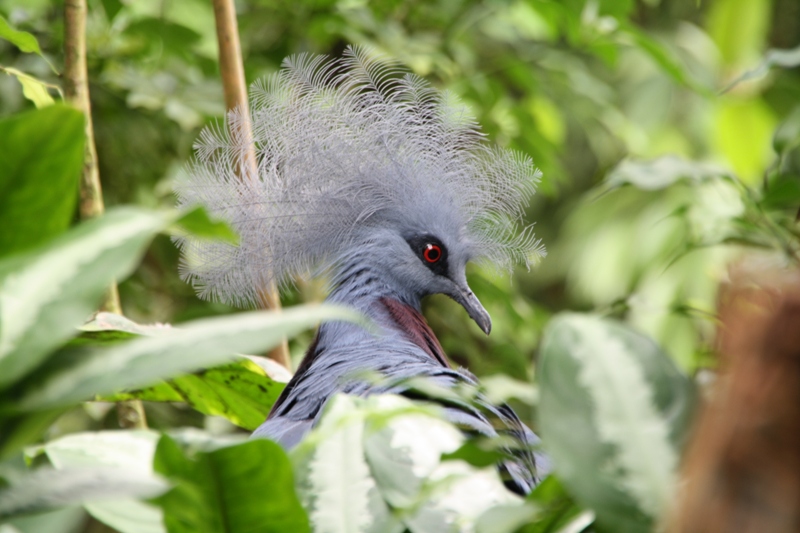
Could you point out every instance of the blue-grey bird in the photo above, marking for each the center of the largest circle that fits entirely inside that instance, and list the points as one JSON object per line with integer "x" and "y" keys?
{"x": 385, "y": 185}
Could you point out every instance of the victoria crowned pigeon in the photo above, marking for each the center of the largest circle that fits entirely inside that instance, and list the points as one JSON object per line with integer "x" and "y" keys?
{"x": 385, "y": 185}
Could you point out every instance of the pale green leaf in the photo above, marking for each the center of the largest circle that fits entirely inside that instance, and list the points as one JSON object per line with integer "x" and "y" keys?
{"x": 613, "y": 410}
{"x": 660, "y": 173}
{"x": 46, "y": 294}
{"x": 32, "y": 89}
{"x": 147, "y": 360}
{"x": 133, "y": 449}
{"x": 46, "y": 488}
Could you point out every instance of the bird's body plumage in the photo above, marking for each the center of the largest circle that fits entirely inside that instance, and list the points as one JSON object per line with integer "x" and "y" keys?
{"x": 389, "y": 187}
{"x": 403, "y": 348}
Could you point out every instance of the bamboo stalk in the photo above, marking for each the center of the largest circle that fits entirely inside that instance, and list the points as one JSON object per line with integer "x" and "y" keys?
{"x": 76, "y": 92}
{"x": 235, "y": 89}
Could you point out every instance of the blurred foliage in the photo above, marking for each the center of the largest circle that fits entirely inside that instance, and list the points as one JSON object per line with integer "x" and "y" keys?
{"x": 668, "y": 133}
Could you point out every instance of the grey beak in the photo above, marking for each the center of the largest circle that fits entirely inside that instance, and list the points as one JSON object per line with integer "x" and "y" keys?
{"x": 464, "y": 296}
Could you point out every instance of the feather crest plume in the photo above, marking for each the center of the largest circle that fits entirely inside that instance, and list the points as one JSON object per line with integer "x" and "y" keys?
{"x": 344, "y": 145}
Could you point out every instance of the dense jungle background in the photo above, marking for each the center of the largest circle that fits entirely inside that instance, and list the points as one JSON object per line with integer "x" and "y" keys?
{"x": 668, "y": 135}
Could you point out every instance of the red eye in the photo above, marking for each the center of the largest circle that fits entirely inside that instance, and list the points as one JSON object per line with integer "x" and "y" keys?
{"x": 432, "y": 253}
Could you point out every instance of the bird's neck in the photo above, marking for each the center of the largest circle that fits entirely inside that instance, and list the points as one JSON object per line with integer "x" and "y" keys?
{"x": 361, "y": 286}
{"x": 396, "y": 312}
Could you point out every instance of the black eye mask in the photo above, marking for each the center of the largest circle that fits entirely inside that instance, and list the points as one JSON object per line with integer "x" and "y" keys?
{"x": 431, "y": 251}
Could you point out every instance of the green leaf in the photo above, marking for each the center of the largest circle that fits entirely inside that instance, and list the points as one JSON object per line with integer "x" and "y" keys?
{"x": 548, "y": 509}
{"x": 787, "y": 136}
{"x": 475, "y": 454}
{"x": 663, "y": 57}
{"x": 749, "y": 154}
{"x": 147, "y": 360}
{"x": 199, "y": 224}
{"x": 614, "y": 410}
{"x": 782, "y": 193}
{"x": 21, "y": 39}
{"x": 241, "y": 392}
{"x": 243, "y": 488}
{"x": 41, "y": 154}
{"x": 131, "y": 449}
{"x": 21, "y": 430}
{"x": 46, "y": 294}
{"x": 739, "y": 28}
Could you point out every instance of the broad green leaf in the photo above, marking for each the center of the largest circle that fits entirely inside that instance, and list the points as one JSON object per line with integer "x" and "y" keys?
{"x": 147, "y": 360}
{"x": 782, "y": 193}
{"x": 47, "y": 293}
{"x": 21, "y": 39}
{"x": 21, "y": 430}
{"x": 198, "y": 223}
{"x": 132, "y": 449}
{"x": 241, "y": 392}
{"x": 614, "y": 410}
{"x": 32, "y": 89}
{"x": 41, "y": 154}
{"x": 660, "y": 173}
{"x": 787, "y": 135}
{"x": 663, "y": 57}
{"x": 243, "y": 488}
{"x": 475, "y": 454}
{"x": 548, "y": 509}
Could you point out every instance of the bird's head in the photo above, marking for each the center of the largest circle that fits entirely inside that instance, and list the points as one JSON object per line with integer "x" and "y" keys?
{"x": 422, "y": 260}
{"x": 357, "y": 163}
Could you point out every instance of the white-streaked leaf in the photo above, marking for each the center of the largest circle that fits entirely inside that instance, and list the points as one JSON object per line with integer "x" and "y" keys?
{"x": 774, "y": 57}
{"x": 47, "y": 293}
{"x": 63, "y": 520}
{"x": 660, "y": 173}
{"x": 132, "y": 449}
{"x": 343, "y": 495}
{"x": 193, "y": 346}
{"x": 387, "y": 449}
{"x": 47, "y": 488}
{"x": 613, "y": 410}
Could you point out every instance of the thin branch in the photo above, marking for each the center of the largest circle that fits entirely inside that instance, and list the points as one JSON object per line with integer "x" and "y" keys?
{"x": 235, "y": 89}
{"x": 76, "y": 92}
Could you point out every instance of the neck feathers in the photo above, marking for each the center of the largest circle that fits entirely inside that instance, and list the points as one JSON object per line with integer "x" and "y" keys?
{"x": 411, "y": 322}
